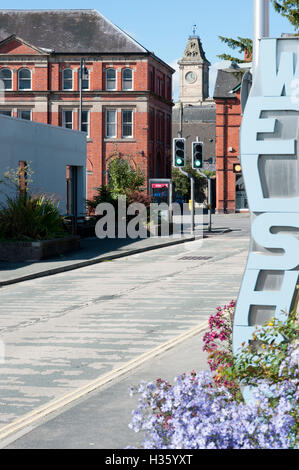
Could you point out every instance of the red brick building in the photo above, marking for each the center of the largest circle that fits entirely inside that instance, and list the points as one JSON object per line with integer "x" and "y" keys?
{"x": 230, "y": 190}
{"x": 127, "y": 91}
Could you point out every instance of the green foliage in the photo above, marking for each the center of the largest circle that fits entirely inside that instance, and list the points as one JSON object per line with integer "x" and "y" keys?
{"x": 263, "y": 357}
{"x": 26, "y": 217}
{"x": 182, "y": 183}
{"x": 13, "y": 177}
{"x": 289, "y": 9}
{"x": 103, "y": 195}
{"x": 123, "y": 179}
{"x": 240, "y": 44}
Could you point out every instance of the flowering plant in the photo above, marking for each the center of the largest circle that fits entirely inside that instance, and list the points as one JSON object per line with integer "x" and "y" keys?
{"x": 218, "y": 344}
{"x": 272, "y": 354}
{"x": 195, "y": 413}
{"x": 205, "y": 411}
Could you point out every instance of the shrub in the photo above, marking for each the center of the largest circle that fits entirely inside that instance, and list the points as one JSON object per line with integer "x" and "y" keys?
{"x": 123, "y": 179}
{"x": 103, "y": 195}
{"x": 27, "y": 217}
{"x": 206, "y": 410}
{"x": 195, "y": 413}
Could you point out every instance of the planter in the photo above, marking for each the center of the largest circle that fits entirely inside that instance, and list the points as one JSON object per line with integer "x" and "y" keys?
{"x": 37, "y": 250}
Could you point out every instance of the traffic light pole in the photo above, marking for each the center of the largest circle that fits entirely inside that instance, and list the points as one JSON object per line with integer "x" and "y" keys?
{"x": 209, "y": 195}
{"x": 192, "y": 198}
{"x": 209, "y": 199}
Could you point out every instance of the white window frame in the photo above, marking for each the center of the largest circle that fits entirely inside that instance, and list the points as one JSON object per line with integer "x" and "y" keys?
{"x": 20, "y": 79}
{"x": 87, "y": 122}
{"x": 68, "y": 79}
{"x": 107, "y": 123}
{"x": 115, "y": 72}
{"x": 20, "y": 111}
{"x": 122, "y": 124}
{"x": 64, "y": 122}
{"x": 6, "y": 79}
{"x": 123, "y": 80}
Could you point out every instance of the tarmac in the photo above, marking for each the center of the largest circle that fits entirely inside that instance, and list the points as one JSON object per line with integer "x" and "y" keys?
{"x": 94, "y": 251}
{"x": 100, "y": 419}
{"x": 97, "y": 415}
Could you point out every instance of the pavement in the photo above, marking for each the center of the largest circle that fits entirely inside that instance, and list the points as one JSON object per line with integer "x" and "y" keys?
{"x": 75, "y": 342}
{"x": 93, "y": 251}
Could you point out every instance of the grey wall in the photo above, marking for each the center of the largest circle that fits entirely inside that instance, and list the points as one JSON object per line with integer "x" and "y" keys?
{"x": 49, "y": 149}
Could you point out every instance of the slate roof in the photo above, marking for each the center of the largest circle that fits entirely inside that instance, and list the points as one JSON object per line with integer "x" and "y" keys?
{"x": 68, "y": 31}
{"x": 225, "y": 83}
{"x": 195, "y": 114}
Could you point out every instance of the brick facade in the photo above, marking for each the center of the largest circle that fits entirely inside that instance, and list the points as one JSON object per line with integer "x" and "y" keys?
{"x": 228, "y": 121}
{"x": 150, "y": 100}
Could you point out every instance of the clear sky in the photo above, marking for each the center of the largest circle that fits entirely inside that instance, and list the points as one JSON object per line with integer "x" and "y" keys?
{"x": 163, "y": 26}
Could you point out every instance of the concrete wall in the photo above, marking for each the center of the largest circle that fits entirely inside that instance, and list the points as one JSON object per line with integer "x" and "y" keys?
{"x": 49, "y": 149}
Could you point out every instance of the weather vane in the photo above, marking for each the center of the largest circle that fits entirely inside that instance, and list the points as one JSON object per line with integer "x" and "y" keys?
{"x": 194, "y": 29}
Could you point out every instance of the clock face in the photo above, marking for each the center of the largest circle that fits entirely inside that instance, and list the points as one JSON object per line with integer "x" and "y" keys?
{"x": 190, "y": 77}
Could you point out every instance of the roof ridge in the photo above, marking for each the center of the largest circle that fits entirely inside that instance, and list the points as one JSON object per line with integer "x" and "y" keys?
{"x": 122, "y": 31}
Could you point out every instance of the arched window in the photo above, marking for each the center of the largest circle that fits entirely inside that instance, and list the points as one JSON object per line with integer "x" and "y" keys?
{"x": 67, "y": 79}
{"x": 6, "y": 76}
{"x": 24, "y": 79}
{"x": 111, "y": 79}
{"x": 127, "y": 79}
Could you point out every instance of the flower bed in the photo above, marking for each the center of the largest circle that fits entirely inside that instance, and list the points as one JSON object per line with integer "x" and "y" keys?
{"x": 206, "y": 410}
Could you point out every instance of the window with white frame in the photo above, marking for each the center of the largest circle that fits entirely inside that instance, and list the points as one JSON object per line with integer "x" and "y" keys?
{"x": 111, "y": 123}
{"x": 67, "y": 79}
{"x": 6, "y": 112}
{"x": 24, "y": 114}
{"x": 127, "y": 79}
{"x": 67, "y": 119}
{"x": 24, "y": 79}
{"x": 85, "y": 122}
{"x": 6, "y": 76}
{"x": 127, "y": 123}
{"x": 110, "y": 79}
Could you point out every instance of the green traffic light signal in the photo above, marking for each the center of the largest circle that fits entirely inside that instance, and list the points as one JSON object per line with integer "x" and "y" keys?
{"x": 197, "y": 155}
{"x": 179, "y": 152}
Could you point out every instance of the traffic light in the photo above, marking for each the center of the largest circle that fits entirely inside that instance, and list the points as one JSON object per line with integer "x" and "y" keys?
{"x": 179, "y": 152}
{"x": 237, "y": 168}
{"x": 197, "y": 155}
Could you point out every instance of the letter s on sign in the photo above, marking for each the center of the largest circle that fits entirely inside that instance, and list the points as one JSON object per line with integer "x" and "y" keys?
{"x": 262, "y": 235}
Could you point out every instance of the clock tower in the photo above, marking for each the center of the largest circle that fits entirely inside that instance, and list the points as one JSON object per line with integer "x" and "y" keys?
{"x": 194, "y": 74}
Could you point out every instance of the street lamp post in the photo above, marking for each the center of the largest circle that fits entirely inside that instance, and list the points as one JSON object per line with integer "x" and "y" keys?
{"x": 82, "y": 67}
{"x": 261, "y": 28}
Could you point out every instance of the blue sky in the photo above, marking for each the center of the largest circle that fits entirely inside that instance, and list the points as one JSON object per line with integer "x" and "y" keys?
{"x": 163, "y": 26}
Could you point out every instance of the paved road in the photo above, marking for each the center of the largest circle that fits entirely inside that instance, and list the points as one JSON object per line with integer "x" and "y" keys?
{"x": 62, "y": 331}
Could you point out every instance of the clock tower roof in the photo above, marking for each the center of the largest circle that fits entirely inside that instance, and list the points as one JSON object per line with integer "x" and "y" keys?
{"x": 194, "y": 52}
{"x": 194, "y": 73}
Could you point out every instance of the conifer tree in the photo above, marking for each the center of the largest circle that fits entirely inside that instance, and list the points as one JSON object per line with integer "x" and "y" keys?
{"x": 287, "y": 8}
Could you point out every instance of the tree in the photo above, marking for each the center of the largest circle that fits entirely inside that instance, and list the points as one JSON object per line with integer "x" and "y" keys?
{"x": 289, "y": 9}
{"x": 123, "y": 180}
{"x": 182, "y": 183}
{"x": 243, "y": 45}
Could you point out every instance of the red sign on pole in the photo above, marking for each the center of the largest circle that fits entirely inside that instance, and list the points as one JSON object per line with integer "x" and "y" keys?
{"x": 160, "y": 185}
